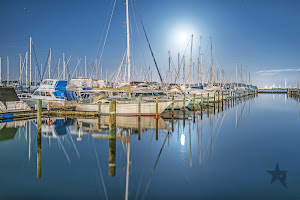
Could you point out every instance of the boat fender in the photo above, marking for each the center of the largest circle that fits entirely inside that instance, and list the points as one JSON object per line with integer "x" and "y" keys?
{"x": 50, "y": 105}
{"x": 50, "y": 122}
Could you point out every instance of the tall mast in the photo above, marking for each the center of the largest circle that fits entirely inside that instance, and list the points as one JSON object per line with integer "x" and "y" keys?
{"x": 35, "y": 75}
{"x": 97, "y": 68}
{"x": 20, "y": 70}
{"x": 183, "y": 76}
{"x": 58, "y": 68}
{"x": 211, "y": 63}
{"x": 101, "y": 73}
{"x": 128, "y": 41}
{"x": 241, "y": 74}
{"x": 30, "y": 39}
{"x": 49, "y": 64}
{"x": 178, "y": 68}
{"x": 202, "y": 67}
{"x": 85, "y": 69}
{"x": 250, "y": 83}
{"x": 7, "y": 71}
{"x": 246, "y": 74}
{"x": 190, "y": 74}
{"x": 64, "y": 66}
{"x": 0, "y": 72}
{"x": 169, "y": 73}
{"x": 77, "y": 70}
{"x": 198, "y": 72}
{"x": 26, "y": 70}
{"x": 236, "y": 75}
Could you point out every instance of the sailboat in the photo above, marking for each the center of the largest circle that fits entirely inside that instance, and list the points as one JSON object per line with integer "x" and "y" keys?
{"x": 127, "y": 106}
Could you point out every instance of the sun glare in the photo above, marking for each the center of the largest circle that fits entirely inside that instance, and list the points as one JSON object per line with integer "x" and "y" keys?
{"x": 181, "y": 35}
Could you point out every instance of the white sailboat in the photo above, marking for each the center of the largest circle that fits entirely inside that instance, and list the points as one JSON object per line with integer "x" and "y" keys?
{"x": 127, "y": 107}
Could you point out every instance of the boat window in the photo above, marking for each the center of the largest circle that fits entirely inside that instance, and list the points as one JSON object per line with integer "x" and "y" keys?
{"x": 42, "y": 93}
{"x": 48, "y": 94}
{"x": 37, "y": 93}
{"x": 44, "y": 82}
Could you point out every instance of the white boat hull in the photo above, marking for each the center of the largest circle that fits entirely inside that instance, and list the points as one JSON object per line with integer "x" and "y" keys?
{"x": 128, "y": 108}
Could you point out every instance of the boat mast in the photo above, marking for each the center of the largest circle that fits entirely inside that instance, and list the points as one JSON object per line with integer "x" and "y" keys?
{"x": 249, "y": 81}
{"x": 58, "y": 68}
{"x": 169, "y": 74}
{"x": 236, "y": 76}
{"x": 20, "y": 69}
{"x": 26, "y": 70}
{"x": 190, "y": 74}
{"x": 30, "y": 39}
{"x": 97, "y": 68}
{"x": 241, "y": 74}
{"x": 64, "y": 66}
{"x": 246, "y": 74}
{"x": 7, "y": 71}
{"x": 202, "y": 70}
{"x": 211, "y": 63}
{"x": 128, "y": 42}
{"x": 85, "y": 69}
{"x": 178, "y": 69}
{"x": 198, "y": 72}
{"x": 101, "y": 73}
{"x": 49, "y": 64}
{"x": 183, "y": 76}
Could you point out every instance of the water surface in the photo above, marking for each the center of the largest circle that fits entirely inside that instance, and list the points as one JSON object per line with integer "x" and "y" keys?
{"x": 219, "y": 155}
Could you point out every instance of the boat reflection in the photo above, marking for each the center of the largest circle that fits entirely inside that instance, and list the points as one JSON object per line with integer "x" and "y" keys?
{"x": 76, "y": 136}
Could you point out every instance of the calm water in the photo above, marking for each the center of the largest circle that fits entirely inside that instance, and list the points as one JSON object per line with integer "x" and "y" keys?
{"x": 222, "y": 156}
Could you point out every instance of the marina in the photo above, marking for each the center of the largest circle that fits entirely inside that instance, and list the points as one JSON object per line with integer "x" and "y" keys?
{"x": 123, "y": 99}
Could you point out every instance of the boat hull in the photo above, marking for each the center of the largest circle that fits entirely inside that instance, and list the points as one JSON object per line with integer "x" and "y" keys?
{"x": 127, "y": 109}
{"x": 56, "y": 103}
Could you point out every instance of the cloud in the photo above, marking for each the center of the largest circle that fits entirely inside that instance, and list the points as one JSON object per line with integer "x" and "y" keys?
{"x": 275, "y": 71}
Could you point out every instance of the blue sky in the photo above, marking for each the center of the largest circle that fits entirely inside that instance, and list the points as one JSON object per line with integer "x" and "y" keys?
{"x": 264, "y": 35}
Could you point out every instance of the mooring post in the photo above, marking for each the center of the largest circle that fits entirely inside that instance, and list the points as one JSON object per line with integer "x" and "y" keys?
{"x": 207, "y": 99}
{"x": 39, "y": 138}
{"x": 201, "y": 101}
{"x": 214, "y": 97}
{"x": 214, "y": 102}
{"x": 172, "y": 112}
{"x": 194, "y": 103}
{"x": 99, "y": 108}
{"x": 139, "y": 127}
{"x": 156, "y": 129}
{"x": 172, "y": 124}
{"x": 140, "y": 102}
{"x": 156, "y": 114}
{"x": 222, "y": 99}
{"x": 184, "y": 103}
{"x": 112, "y": 139}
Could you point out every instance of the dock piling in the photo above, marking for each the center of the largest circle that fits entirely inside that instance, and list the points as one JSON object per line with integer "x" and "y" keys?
{"x": 112, "y": 139}
{"x": 39, "y": 138}
{"x": 140, "y": 102}
{"x": 99, "y": 108}
{"x": 156, "y": 114}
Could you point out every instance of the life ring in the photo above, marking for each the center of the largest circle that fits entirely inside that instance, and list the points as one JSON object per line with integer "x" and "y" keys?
{"x": 50, "y": 122}
{"x": 50, "y": 105}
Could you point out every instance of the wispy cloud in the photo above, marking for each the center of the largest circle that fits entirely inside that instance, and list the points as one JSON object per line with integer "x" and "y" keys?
{"x": 275, "y": 71}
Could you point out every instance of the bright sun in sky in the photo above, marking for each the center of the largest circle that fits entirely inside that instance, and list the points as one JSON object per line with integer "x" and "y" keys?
{"x": 181, "y": 35}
